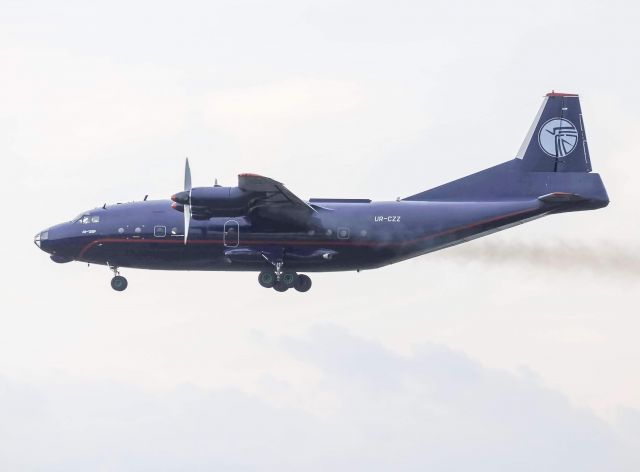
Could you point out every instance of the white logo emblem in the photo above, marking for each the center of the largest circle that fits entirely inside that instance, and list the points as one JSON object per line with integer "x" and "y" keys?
{"x": 558, "y": 137}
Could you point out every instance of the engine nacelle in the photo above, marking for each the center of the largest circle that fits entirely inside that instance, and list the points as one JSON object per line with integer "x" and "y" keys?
{"x": 222, "y": 201}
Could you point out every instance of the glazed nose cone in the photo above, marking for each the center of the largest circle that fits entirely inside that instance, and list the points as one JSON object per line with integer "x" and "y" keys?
{"x": 52, "y": 241}
{"x": 42, "y": 239}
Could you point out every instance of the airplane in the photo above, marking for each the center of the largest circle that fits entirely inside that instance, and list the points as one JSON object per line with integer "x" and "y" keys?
{"x": 261, "y": 226}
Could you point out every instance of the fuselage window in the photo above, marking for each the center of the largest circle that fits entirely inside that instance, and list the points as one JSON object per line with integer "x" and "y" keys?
{"x": 159, "y": 231}
{"x": 343, "y": 233}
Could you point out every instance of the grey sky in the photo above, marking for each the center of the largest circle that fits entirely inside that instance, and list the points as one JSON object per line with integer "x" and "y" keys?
{"x": 373, "y": 410}
{"x": 470, "y": 356}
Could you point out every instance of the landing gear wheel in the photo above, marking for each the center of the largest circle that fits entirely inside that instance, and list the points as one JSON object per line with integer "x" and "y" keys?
{"x": 119, "y": 283}
{"x": 303, "y": 283}
{"x": 289, "y": 279}
{"x": 280, "y": 287}
{"x": 267, "y": 278}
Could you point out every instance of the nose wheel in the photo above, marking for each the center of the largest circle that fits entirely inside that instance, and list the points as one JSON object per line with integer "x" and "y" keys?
{"x": 118, "y": 282}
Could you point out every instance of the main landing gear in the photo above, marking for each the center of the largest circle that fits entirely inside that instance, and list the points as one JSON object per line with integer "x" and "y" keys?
{"x": 118, "y": 282}
{"x": 281, "y": 281}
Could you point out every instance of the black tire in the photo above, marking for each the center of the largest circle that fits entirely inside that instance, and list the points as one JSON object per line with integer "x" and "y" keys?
{"x": 303, "y": 284}
{"x": 289, "y": 279}
{"x": 119, "y": 283}
{"x": 267, "y": 278}
{"x": 280, "y": 287}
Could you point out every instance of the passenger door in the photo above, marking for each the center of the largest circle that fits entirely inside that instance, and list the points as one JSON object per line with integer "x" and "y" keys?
{"x": 231, "y": 237}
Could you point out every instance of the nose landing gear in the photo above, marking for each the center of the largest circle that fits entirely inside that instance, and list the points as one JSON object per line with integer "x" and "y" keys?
{"x": 118, "y": 282}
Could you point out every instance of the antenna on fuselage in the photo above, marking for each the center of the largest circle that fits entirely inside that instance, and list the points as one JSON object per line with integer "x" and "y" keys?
{"x": 145, "y": 198}
{"x": 215, "y": 184}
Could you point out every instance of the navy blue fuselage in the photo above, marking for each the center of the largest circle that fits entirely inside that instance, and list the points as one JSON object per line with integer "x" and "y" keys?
{"x": 149, "y": 234}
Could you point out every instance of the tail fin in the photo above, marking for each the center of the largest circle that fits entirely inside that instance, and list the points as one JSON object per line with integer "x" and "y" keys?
{"x": 556, "y": 141}
{"x": 553, "y": 165}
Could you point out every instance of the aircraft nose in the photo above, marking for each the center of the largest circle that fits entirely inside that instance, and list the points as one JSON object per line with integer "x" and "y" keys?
{"x": 41, "y": 238}
{"x": 53, "y": 242}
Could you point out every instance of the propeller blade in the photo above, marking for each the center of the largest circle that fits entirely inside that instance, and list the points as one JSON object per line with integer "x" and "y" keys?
{"x": 187, "y": 220}
{"x": 187, "y": 206}
{"x": 187, "y": 176}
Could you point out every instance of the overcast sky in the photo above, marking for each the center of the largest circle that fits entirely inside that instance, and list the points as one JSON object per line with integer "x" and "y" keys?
{"x": 517, "y": 352}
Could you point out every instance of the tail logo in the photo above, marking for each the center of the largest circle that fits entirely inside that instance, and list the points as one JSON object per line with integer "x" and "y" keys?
{"x": 558, "y": 137}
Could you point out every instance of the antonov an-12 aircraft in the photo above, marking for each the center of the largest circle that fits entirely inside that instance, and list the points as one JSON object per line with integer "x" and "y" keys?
{"x": 262, "y": 226}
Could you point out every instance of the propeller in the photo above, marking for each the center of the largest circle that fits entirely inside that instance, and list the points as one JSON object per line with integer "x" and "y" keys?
{"x": 187, "y": 206}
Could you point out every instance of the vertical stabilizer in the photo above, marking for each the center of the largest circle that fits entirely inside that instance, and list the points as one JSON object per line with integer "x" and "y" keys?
{"x": 557, "y": 141}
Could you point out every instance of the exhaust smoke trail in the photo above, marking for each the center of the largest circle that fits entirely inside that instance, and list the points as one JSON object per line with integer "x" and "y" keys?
{"x": 559, "y": 254}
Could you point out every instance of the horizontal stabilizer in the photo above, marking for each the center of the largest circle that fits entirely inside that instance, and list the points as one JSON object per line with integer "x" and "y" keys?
{"x": 561, "y": 197}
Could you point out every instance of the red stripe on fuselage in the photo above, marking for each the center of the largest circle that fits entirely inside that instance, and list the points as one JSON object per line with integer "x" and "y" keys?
{"x": 308, "y": 243}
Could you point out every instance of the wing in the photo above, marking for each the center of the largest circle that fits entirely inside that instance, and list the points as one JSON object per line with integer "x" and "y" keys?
{"x": 275, "y": 201}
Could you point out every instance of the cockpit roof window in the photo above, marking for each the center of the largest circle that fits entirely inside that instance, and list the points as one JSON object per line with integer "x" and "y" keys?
{"x": 85, "y": 219}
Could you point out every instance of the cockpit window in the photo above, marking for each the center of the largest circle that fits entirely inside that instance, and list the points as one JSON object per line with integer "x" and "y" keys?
{"x": 86, "y": 219}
